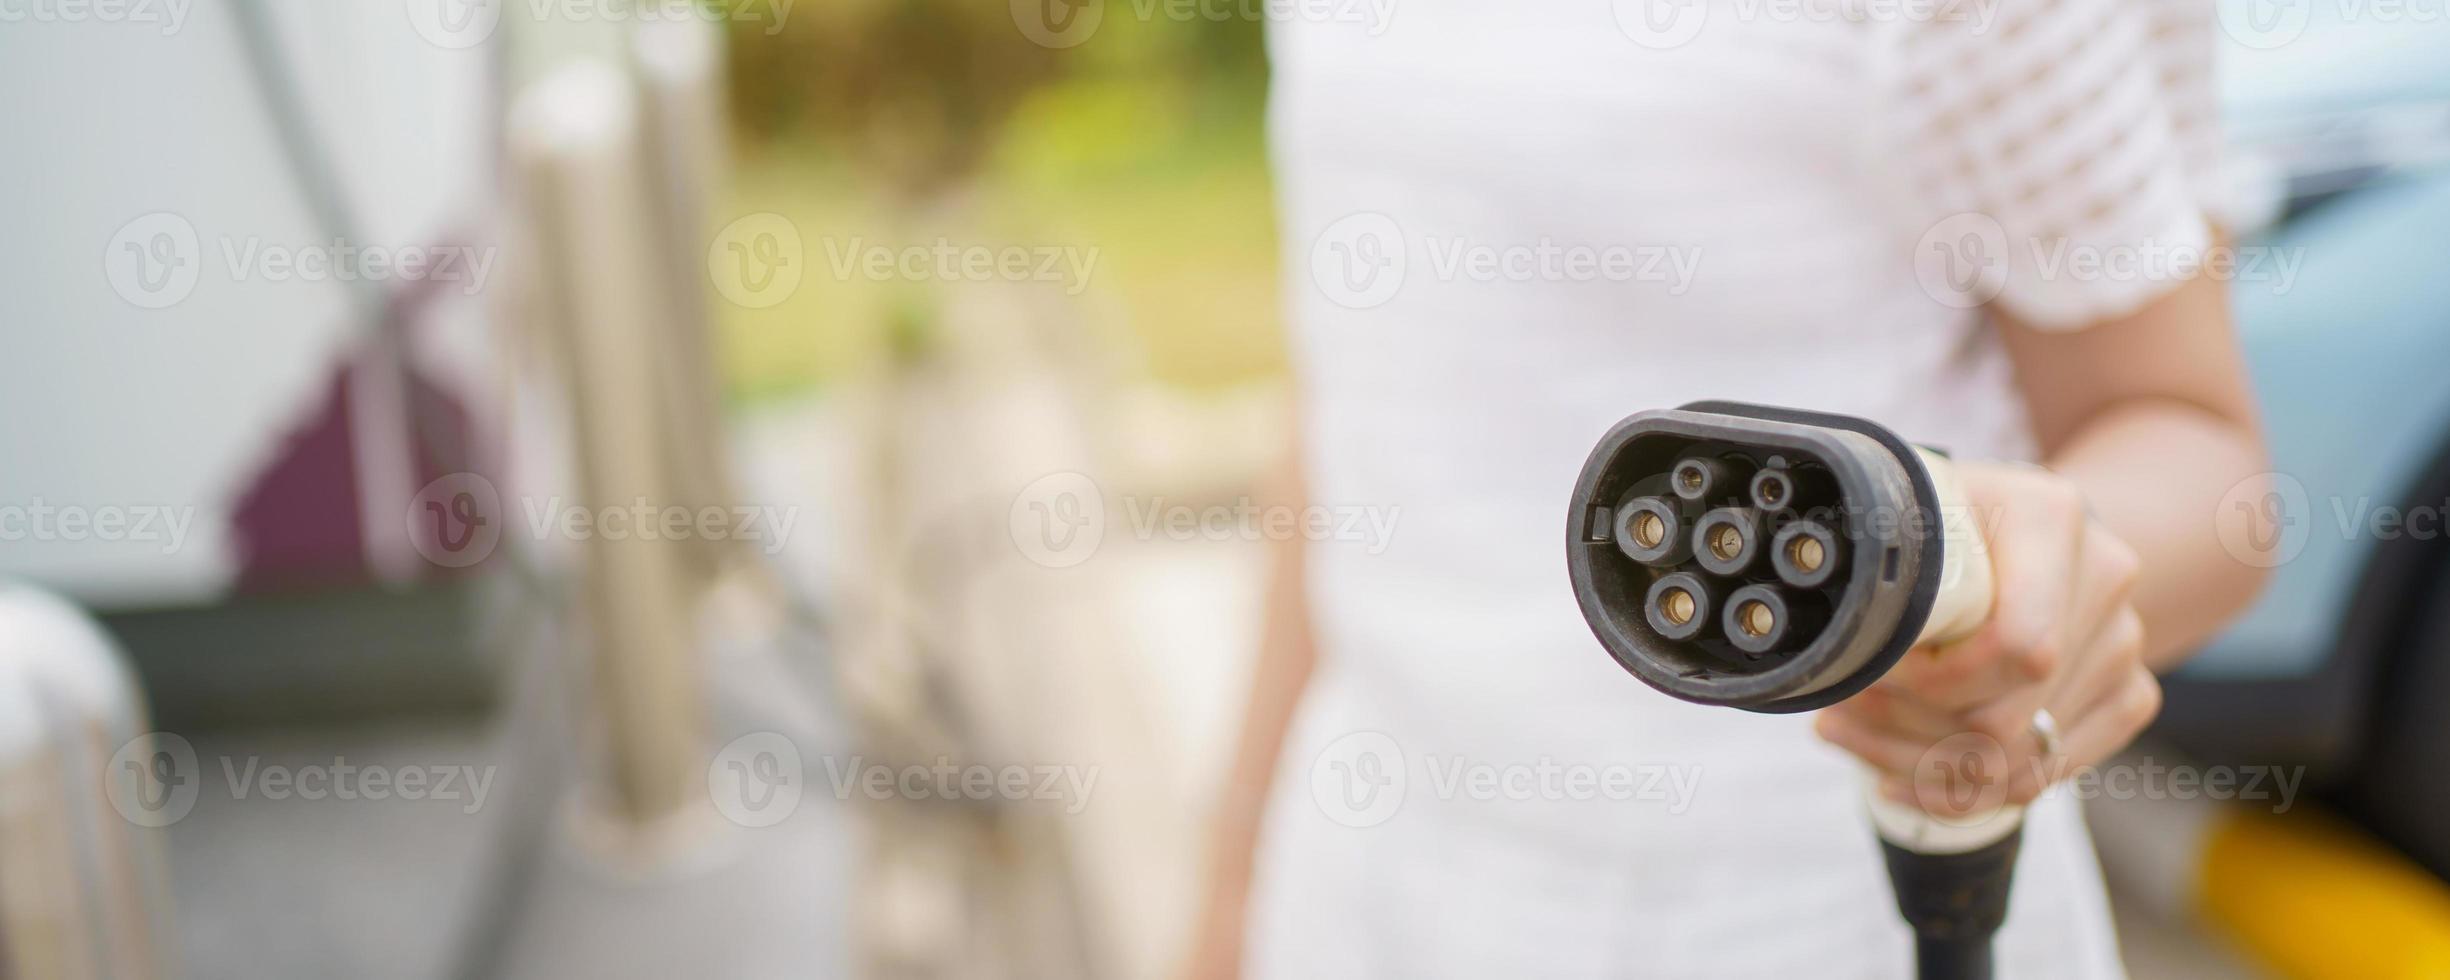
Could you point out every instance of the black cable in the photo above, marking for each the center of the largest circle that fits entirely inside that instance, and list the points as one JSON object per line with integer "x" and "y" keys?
{"x": 1954, "y": 903}
{"x": 1937, "y": 958}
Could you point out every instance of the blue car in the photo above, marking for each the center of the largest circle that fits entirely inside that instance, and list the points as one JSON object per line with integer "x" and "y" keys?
{"x": 2343, "y": 666}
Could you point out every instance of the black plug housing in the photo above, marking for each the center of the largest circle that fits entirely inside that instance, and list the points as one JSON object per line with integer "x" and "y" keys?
{"x": 1812, "y": 539}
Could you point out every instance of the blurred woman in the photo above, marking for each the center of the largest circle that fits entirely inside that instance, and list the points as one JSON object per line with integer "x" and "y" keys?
{"x": 1511, "y": 225}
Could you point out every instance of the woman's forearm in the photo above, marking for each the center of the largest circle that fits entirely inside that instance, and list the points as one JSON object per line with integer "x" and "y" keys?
{"x": 1282, "y": 672}
{"x": 2151, "y": 415}
{"x": 2158, "y": 472}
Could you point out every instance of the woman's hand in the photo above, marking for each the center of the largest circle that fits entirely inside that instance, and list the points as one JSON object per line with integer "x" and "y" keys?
{"x": 2063, "y": 635}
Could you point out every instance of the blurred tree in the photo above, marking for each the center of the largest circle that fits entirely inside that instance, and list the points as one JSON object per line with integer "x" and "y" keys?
{"x": 912, "y": 92}
{"x": 903, "y": 122}
{"x": 916, "y": 94}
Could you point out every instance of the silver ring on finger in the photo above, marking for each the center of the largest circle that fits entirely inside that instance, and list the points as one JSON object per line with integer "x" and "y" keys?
{"x": 2046, "y": 732}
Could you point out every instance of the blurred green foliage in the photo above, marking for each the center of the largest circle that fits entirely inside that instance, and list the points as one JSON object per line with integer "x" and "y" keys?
{"x": 894, "y": 121}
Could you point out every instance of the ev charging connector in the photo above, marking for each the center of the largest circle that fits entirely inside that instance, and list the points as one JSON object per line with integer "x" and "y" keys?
{"x": 1779, "y": 560}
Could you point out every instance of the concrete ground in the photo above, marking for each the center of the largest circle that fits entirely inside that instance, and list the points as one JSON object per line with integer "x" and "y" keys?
{"x": 267, "y": 884}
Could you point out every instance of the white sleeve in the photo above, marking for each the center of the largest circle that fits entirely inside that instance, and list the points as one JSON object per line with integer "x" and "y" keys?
{"x": 2083, "y": 134}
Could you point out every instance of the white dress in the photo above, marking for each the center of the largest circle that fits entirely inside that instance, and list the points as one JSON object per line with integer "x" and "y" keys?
{"x": 1509, "y": 225}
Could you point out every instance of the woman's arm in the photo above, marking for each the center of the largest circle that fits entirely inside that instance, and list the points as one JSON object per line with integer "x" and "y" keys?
{"x": 2151, "y": 418}
{"x": 2109, "y": 562}
{"x": 1286, "y": 654}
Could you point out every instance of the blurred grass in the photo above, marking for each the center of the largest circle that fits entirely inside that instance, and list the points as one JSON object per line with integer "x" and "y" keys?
{"x": 1145, "y": 144}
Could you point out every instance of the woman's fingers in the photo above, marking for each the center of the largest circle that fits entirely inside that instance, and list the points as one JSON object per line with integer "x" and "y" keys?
{"x": 1900, "y": 736}
{"x": 1884, "y": 749}
{"x": 2098, "y": 730}
{"x": 2093, "y": 709}
{"x": 2116, "y": 648}
{"x": 2114, "y": 644}
{"x": 2103, "y": 590}
{"x": 1888, "y": 728}
{"x": 2036, "y": 537}
{"x": 1895, "y": 711}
